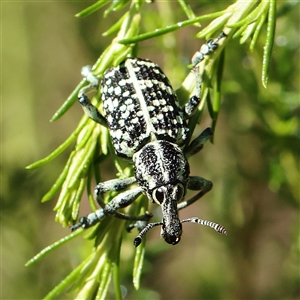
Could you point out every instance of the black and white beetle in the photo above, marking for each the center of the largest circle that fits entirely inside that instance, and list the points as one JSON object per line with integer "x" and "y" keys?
{"x": 147, "y": 125}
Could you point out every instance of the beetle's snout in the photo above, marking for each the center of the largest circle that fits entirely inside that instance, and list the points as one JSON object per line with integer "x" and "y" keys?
{"x": 171, "y": 234}
{"x": 173, "y": 240}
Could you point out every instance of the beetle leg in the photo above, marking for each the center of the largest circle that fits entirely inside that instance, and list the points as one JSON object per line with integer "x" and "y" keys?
{"x": 196, "y": 183}
{"x": 111, "y": 185}
{"x": 120, "y": 201}
{"x": 209, "y": 47}
{"x": 197, "y": 144}
{"x": 91, "y": 110}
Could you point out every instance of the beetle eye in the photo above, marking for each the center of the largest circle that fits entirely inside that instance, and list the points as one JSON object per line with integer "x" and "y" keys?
{"x": 158, "y": 195}
{"x": 180, "y": 192}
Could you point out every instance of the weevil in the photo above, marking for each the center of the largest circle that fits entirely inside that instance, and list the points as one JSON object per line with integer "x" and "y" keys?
{"x": 148, "y": 126}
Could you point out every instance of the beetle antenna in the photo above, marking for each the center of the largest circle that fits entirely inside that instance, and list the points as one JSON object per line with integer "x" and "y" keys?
{"x": 217, "y": 227}
{"x": 138, "y": 239}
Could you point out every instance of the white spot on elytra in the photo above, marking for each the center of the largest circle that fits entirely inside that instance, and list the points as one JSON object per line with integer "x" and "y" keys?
{"x": 155, "y": 102}
{"x": 115, "y": 102}
{"x": 122, "y": 108}
{"x": 118, "y": 91}
{"x": 122, "y": 82}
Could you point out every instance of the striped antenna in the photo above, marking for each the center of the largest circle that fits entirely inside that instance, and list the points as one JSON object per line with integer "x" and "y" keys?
{"x": 138, "y": 239}
{"x": 217, "y": 227}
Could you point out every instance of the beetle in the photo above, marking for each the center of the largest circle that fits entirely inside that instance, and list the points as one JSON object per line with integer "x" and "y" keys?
{"x": 149, "y": 127}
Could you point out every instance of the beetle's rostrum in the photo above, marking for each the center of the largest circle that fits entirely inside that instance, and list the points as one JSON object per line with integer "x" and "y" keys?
{"x": 148, "y": 126}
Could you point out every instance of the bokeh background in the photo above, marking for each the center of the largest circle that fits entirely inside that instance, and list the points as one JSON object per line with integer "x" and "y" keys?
{"x": 253, "y": 163}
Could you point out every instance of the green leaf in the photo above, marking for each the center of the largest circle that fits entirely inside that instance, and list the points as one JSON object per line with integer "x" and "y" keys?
{"x": 138, "y": 264}
{"x": 53, "y": 247}
{"x": 258, "y": 27}
{"x": 69, "y": 102}
{"x": 168, "y": 29}
{"x": 91, "y": 9}
{"x": 188, "y": 11}
{"x": 116, "y": 26}
{"x": 269, "y": 42}
{"x": 58, "y": 183}
{"x": 115, "y": 6}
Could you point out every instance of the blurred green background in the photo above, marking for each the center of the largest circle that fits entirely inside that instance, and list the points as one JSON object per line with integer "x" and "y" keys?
{"x": 253, "y": 163}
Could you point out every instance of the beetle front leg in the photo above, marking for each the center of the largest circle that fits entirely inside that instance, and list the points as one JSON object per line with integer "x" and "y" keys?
{"x": 91, "y": 110}
{"x": 191, "y": 106}
{"x": 120, "y": 201}
{"x": 123, "y": 200}
{"x": 196, "y": 183}
{"x": 206, "y": 49}
{"x": 112, "y": 185}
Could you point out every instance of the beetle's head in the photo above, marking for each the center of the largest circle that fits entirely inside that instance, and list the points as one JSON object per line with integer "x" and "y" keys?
{"x": 167, "y": 197}
{"x": 162, "y": 171}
